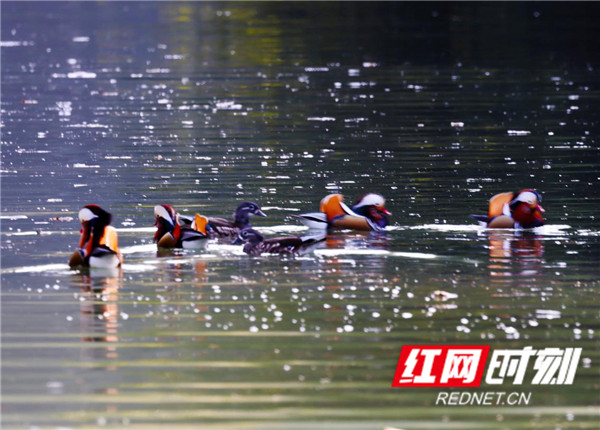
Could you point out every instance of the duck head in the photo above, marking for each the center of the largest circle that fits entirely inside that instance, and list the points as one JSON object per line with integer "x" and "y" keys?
{"x": 373, "y": 207}
{"x": 93, "y": 220}
{"x": 526, "y": 210}
{"x": 92, "y": 212}
{"x": 248, "y": 235}
{"x": 167, "y": 221}
{"x": 241, "y": 217}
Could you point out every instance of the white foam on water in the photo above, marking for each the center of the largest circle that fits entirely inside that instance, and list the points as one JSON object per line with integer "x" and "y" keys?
{"x": 396, "y": 228}
{"x": 14, "y": 43}
{"x": 551, "y": 229}
{"x": 336, "y": 252}
{"x": 220, "y": 248}
{"x": 81, "y": 75}
{"x": 319, "y": 118}
{"x": 279, "y": 208}
{"x": 546, "y": 230}
{"x": 346, "y": 261}
{"x": 177, "y": 261}
{"x": 136, "y": 229}
{"x": 37, "y": 269}
{"x": 588, "y": 233}
{"x": 134, "y": 249}
{"x": 13, "y": 217}
{"x": 227, "y": 105}
{"x": 138, "y": 267}
{"x": 90, "y": 125}
{"x": 449, "y": 227}
{"x": 382, "y": 252}
{"x": 25, "y": 233}
{"x": 547, "y": 314}
{"x": 420, "y": 255}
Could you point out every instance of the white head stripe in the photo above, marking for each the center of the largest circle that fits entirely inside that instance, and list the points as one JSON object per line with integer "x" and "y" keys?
{"x": 85, "y": 215}
{"x": 371, "y": 200}
{"x": 527, "y": 197}
{"x": 160, "y": 211}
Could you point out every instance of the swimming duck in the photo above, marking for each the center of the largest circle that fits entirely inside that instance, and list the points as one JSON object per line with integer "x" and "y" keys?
{"x": 514, "y": 210}
{"x": 256, "y": 244}
{"x": 99, "y": 244}
{"x": 368, "y": 213}
{"x": 220, "y": 227}
{"x": 170, "y": 234}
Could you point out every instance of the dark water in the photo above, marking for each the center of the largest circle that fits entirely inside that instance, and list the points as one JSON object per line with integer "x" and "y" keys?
{"x": 206, "y": 105}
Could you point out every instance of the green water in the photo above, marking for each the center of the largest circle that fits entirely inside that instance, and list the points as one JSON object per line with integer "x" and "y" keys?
{"x": 206, "y": 105}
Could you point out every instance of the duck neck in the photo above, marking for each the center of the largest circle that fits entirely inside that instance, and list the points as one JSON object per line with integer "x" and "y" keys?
{"x": 254, "y": 240}
{"x": 373, "y": 214}
{"x": 362, "y": 210}
{"x": 164, "y": 227}
{"x": 241, "y": 219}
{"x": 527, "y": 217}
{"x": 97, "y": 229}
{"x": 249, "y": 246}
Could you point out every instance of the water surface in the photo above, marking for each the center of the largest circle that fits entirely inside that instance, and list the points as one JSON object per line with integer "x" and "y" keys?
{"x": 206, "y": 105}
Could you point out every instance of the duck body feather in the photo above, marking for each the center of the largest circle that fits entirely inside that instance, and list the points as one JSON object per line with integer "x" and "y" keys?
{"x": 221, "y": 227}
{"x": 256, "y": 244}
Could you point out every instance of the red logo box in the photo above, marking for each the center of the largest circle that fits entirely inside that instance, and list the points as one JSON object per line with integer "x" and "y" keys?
{"x": 441, "y": 366}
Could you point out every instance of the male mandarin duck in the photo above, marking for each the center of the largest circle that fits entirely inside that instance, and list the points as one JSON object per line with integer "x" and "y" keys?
{"x": 256, "y": 244}
{"x": 368, "y": 213}
{"x": 514, "y": 210}
{"x": 170, "y": 234}
{"x": 99, "y": 244}
{"x": 220, "y": 227}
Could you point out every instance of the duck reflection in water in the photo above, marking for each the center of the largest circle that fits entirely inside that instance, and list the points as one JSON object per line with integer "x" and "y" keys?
{"x": 99, "y": 325}
{"x": 99, "y": 307}
{"x": 359, "y": 240}
{"x": 522, "y": 251}
{"x": 172, "y": 274}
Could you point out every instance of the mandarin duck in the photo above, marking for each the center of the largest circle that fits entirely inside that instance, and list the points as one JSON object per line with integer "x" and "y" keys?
{"x": 221, "y": 227}
{"x": 99, "y": 243}
{"x": 256, "y": 244}
{"x": 514, "y": 210}
{"x": 368, "y": 213}
{"x": 170, "y": 234}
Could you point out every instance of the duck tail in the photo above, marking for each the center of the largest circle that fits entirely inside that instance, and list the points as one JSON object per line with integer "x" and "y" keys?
{"x": 313, "y": 220}
{"x": 480, "y": 218}
{"x": 307, "y": 240}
